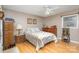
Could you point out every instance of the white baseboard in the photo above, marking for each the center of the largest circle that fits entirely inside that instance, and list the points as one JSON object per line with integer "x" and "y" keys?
{"x": 74, "y": 42}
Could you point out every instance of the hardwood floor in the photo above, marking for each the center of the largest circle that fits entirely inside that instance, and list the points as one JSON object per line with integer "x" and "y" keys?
{"x": 60, "y": 47}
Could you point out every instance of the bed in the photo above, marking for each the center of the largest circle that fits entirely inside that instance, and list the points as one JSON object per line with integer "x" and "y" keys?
{"x": 38, "y": 37}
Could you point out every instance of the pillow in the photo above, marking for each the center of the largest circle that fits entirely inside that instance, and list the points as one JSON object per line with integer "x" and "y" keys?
{"x": 37, "y": 29}
{"x": 30, "y": 30}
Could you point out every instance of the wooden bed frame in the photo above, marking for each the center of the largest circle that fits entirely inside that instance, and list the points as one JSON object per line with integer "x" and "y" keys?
{"x": 52, "y": 29}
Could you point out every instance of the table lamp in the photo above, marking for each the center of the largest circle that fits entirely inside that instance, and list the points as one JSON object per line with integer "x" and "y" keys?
{"x": 19, "y": 29}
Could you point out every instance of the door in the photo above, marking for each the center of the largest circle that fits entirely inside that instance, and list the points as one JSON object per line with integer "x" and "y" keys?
{"x": 1, "y": 35}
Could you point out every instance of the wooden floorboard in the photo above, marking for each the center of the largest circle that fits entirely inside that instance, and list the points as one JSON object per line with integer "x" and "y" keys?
{"x": 60, "y": 47}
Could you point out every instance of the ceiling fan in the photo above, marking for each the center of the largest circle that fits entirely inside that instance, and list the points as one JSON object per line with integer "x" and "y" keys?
{"x": 49, "y": 9}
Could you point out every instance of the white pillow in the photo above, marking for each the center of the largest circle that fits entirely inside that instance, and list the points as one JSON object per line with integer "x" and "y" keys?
{"x": 37, "y": 29}
{"x": 30, "y": 30}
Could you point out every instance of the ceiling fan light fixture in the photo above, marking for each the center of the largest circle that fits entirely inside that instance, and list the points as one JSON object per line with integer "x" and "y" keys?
{"x": 48, "y": 11}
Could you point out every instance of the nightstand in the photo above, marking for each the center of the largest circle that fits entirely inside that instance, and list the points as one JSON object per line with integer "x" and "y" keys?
{"x": 20, "y": 38}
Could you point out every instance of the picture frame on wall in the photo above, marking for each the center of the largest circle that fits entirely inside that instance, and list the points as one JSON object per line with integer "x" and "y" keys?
{"x": 34, "y": 21}
{"x": 29, "y": 20}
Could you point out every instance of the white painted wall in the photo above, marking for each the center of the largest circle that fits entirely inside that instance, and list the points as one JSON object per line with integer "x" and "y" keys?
{"x": 21, "y": 18}
{"x": 56, "y": 20}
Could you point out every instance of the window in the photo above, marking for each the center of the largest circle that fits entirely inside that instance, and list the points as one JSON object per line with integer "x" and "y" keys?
{"x": 70, "y": 21}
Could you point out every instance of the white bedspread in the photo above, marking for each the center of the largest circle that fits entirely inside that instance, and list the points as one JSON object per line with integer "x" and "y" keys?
{"x": 39, "y": 39}
{"x": 40, "y": 35}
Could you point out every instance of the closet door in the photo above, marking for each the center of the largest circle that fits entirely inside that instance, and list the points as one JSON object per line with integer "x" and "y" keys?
{"x": 1, "y": 29}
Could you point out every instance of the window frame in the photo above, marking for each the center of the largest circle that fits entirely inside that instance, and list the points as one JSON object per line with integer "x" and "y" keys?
{"x": 76, "y": 15}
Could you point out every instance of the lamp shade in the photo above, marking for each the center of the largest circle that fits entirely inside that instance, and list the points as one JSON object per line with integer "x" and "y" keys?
{"x": 19, "y": 26}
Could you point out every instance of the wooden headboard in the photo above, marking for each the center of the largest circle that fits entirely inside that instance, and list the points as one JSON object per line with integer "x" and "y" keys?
{"x": 52, "y": 29}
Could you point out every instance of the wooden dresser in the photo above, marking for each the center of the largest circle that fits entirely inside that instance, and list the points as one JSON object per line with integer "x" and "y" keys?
{"x": 8, "y": 41}
{"x": 52, "y": 29}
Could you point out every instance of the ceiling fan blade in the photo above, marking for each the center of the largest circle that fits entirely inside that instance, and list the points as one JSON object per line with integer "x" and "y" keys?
{"x": 50, "y": 10}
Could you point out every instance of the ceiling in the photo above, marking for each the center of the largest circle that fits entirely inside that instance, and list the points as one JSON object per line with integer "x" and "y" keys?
{"x": 39, "y": 10}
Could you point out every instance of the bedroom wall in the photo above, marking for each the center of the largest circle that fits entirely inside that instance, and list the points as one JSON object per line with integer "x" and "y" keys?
{"x": 21, "y": 18}
{"x": 56, "y": 20}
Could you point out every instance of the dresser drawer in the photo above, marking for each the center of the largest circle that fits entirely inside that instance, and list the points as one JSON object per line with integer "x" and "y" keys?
{"x": 8, "y": 36}
{"x": 8, "y": 32}
{"x": 8, "y": 26}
